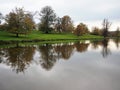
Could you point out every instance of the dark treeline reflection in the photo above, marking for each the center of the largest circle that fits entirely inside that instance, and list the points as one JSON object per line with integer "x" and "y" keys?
{"x": 104, "y": 44}
{"x": 51, "y": 53}
{"x": 81, "y": 47}
{"x": 105, "y": 49}
{"x": 117, "y": 42}
{"x": 19, "y": 58}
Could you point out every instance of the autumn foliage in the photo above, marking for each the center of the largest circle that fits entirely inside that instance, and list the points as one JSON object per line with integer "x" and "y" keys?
{"x": 81, "y": 29}
{"x": 19, "y": 22}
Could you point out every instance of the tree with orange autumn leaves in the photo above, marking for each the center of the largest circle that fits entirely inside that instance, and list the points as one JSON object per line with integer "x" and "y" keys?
{"x": 19, "y": 22}
{"x": 81, "y": 29}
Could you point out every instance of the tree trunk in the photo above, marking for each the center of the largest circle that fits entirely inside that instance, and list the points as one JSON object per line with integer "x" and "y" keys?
{"x": 17, "y": 35}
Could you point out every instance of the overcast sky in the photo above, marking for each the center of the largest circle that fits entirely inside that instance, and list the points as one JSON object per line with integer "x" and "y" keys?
{"x": 91, "y": 12}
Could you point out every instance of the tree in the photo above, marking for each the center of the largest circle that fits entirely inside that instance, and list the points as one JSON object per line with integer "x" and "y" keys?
{"x": 3, "y": 27}
{"x": 19, "y": 22}
{"x": 1, "y": 17}
{"x": 106, "y": 25}
{"x": 81, "y": 29}
{"x": 48, "y": 18}
{"x": 67, "y": 24}
{"x": 78, "y": 30}
{"x": 96, "y": 31}
{"x": 58, "y": 25}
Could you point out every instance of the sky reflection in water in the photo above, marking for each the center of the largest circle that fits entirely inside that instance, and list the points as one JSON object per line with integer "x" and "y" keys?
{"x": 89, "y": 65}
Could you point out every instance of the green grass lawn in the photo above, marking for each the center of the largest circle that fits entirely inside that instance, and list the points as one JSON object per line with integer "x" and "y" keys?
{"x": 37, "y": 35}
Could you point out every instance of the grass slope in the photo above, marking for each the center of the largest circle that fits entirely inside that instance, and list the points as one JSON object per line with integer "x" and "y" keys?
{"x": 36, "y": 35}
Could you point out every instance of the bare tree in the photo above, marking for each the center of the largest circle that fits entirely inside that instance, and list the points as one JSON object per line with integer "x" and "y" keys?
{"x": 106, "y": 26}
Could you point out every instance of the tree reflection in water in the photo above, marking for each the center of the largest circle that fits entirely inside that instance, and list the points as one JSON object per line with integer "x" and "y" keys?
{"x": 81, "y": 46}
{"x": 105, "y": 49}
{"x": 117, "y": 42}
{"x": 50, "y": 54}
{"x": 104, "y": 44}
{"x": 48, "y": 58}
{"x": 65, "y": 50}
{"x": 95, "y": 44}
{"x": 19, "y": 58}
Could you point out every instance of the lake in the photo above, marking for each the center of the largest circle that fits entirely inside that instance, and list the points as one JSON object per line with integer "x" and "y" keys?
{"x": 80, "y": 65}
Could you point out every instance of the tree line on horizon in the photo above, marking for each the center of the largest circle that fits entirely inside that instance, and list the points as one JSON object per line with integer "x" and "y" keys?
{"x": 19, "y": 21}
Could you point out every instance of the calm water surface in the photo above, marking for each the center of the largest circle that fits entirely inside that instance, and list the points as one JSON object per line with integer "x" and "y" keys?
{"x": 88, "y": 65}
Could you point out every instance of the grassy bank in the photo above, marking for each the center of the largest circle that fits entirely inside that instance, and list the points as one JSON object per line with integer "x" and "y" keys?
{"x": 38, "y": 36}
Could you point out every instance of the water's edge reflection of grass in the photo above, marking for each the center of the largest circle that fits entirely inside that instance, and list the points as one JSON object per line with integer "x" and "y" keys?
{"x": 7, "y": 44}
